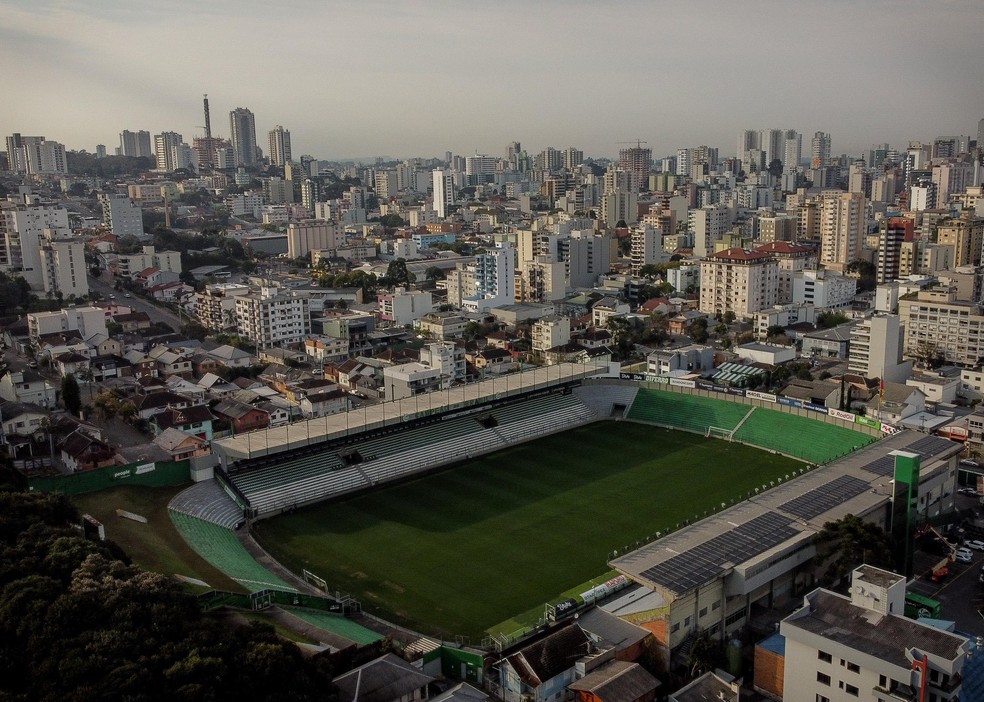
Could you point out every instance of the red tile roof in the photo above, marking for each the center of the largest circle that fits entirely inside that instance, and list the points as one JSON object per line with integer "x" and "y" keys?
{"x": 740, "y": 255}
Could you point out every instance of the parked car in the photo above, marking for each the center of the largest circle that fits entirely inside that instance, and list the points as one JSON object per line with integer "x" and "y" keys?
{"x": 975, "y": 544}
{"x": 969, "y": 462}
{"x": 967, "y": 491}
{"x": 964, "y": 555}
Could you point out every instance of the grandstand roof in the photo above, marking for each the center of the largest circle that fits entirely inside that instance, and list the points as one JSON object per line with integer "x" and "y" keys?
{"x": 373, "y": 416}
{"x": 777, "y": 521}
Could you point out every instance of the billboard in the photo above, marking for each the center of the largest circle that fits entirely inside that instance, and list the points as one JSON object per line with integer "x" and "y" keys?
{"x": 683, "y": 383}
{"x": 763, "y": 396}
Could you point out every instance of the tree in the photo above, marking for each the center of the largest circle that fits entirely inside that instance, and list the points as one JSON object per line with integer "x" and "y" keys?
{"x": 107, "y": 403}
{"x": 865, "y": 272}
{"x": 398, "y": 274}
{"x": 697, "y": 330}
{"x": 847, "y": 543}
{"x": 831, "y": 318}
{"x": 775, "y": 330}
{"x": 434, "y": 274}
{"x": 71, "y": 395}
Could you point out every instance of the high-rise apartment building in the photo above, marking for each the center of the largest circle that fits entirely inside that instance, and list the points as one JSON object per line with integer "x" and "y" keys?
{"x": 24, "y": 228}
{"x": 893, "y": 233}
{"x": 646, "y": 247}
{"x": 121, "y": 216}
{"x": 637, "y": 161}
{"x": 708, "y": 225}
{"x": 136, "y": 144}
{"x": 272, "y": 317}
{"x": 966, "y": 236}
{"x": 36, "y": 155}
{"x": 773, "y": 143}
{"x": 443, "y": 191}
{"x": 820, "y": 150}
{"x": 279, "y": 146}
{"x": 242, "y": 134}
{"x": 842, "y": 227}
{"x": 63, "y": 269}
{"x": 312, "y": 235}
{"x": 573, "y": 158}
{"x": 165, "y": 149}
{"x": 792, "y": 150}
{"x": 480, "y": 169}
{"x": 739, "y": 281}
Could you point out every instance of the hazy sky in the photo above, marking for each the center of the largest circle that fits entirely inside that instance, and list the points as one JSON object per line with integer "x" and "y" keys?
{"x": 355, "y": 79}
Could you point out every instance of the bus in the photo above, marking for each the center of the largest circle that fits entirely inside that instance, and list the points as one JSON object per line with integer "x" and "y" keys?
{"x": 919, "y": 606}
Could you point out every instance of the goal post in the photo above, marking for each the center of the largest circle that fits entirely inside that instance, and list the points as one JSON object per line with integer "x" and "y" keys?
{"x": 720, "y": 433}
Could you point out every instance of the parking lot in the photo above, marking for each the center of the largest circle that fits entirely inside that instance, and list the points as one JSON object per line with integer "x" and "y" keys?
{"x": 960, "y": 593}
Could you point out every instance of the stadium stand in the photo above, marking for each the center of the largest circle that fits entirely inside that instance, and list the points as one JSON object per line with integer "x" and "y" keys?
{"x": 685, "y": 411}
{"x": 602, "y": 398}
{"x": 801, "y": 437}
{"x": 208, "y": 501}
{"x": 541, "y": 416}
{"x": 335, "y": 624}
{"x": 220, "y": 547}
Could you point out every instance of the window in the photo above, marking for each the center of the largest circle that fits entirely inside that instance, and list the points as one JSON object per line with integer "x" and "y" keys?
{"x": 703, "y": 612}
{"x": 821, "y": 698}
{"x": 851, "y": 690}
{"x": 823, "y": 678}
{"x": 853, "y": 667}
{"x": 675, "y": 628}
{"x": 824, "y": 656}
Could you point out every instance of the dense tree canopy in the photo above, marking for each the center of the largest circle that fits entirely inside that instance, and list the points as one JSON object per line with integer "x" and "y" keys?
{"x": 78, "y": 622}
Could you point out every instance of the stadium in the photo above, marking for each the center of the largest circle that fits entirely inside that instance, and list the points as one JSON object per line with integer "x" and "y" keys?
{"x": 477, "y": 514}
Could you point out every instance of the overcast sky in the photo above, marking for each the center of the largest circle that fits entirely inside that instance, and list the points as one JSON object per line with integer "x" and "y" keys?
{"x": 374, "y": 77}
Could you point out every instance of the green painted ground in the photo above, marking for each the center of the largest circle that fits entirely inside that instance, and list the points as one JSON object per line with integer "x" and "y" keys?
{"x": 460, "y": 551}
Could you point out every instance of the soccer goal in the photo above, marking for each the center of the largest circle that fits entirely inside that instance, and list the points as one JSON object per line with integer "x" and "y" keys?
{"x": 720, "y": 433}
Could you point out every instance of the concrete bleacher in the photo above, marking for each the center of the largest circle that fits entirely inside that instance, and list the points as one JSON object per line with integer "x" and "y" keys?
{"x": 220, "y": 547}
{"x": 602, "y": 398}
{"x": 274, "y": 497}
{"x": 541, "y": 416}
{"x": 208, "y": 501}
{"x": 685, "y": 411}
{"x": 809, "y": 439}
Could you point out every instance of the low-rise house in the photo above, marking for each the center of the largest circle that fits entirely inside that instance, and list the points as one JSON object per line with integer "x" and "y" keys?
{"x": 491, "y": 361}
{"x": 21, "y": 423}
{"x": 716, "y": 685}
{"x": 105, "y": 367}
{"x": 141, "y": 365}
{"x": 80, "y": 452}
{"x": 180, "y": 445}
{"x": 186, "y": 388}
{"x": 894, "y": 402}
{"x": 323, "y": 403}
{"x": 195, "y": 420}
{"x": 817, "y": 392}
{"x": 71, "y": 363}
{"x": 171, "y": 362}
{"x": 152, "y": 402}
{"x": 241, "y": 416}
{"x": 606, "y": 308}
{"x": 326, "y": 348}
{"x": 385, "y": 679}
{"x": 169, "y": 292}
{"x": 279, "y": 414}
{"x": 104, "y": 345}
{"x": 616, "y": 681}
{"x": 133, "y": 321}
{"x": 541, "y": 668}
{"x": 216, "y": 387}
{"x": 28, "y": 386}
{"x": 231, "y": 357}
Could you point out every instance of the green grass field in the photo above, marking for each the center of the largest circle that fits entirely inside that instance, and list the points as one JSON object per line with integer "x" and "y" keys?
{"x": 156, "y": 546}
{"x": 459, "y": 551}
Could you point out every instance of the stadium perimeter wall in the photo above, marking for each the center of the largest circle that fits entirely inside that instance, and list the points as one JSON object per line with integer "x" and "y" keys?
{"x": 151, "y": 474}
{"x": 779, "y": 403}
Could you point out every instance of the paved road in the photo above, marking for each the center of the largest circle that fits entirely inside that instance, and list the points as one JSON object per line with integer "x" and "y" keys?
{"x": 157, "y": 313}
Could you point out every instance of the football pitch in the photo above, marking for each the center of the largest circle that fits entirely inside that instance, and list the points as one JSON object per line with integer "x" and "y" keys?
{"x": 456, "y": 552}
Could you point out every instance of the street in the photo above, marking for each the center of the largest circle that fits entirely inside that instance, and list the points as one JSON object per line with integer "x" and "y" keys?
{"x": 104, "y": 286}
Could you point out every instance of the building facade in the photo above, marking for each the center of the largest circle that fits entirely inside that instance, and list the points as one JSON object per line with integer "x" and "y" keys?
{"x": 738, "y": 281}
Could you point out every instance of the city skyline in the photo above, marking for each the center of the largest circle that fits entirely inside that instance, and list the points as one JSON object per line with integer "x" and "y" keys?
{"x": 419, "y": 80}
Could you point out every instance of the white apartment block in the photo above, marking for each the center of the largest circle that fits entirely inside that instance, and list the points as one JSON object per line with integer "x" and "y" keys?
{"x": 121, "y": 216}
{"x": 495, "y": 279}
{"x": 684, "y": 277}
{"x": 708, "y": 225}
{"x": 936, "y": 322}
{"x": 823, "y": 288}
{"x": 85, "y": 320}
{"x": 312, "y": 235}
{"x": 739, "y": 281}
{"x": 24, "y": 228}
{"x": 149, "y": 257}
{"x": 792, "y": 258}
{"x": 876, "y": 349}
{"x": 446, "y": 356}
{"x": 272, "y": 317}
{"x": 843, "y": 219}
{"x": 443, "y": 191}
{"x": 326, "y": 348}
{"x": 402, "y": 307}
{"x": 549, "y": 332}
{"x": 783, "y": 315}
{"x": 215, "y": 306}
{"x": 541, "y": 280}
{"x": 409, "y": 379}
{"x": 647, "y": 247}
{"x": 840, "y": 649}
{"x": 63, "y": 268}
